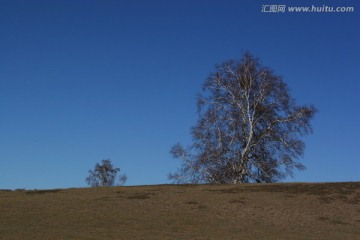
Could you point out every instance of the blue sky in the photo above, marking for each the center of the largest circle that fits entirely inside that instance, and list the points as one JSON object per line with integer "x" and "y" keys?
{"x": 82, "y": 81}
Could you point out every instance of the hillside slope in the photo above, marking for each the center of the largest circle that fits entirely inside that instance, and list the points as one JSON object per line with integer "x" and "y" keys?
{"x": 249, "y": 211}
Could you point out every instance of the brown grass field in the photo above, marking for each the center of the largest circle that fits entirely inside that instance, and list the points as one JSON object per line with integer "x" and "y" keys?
{"x": 248, "y": 211}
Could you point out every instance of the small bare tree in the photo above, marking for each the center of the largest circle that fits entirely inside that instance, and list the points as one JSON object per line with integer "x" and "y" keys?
{"x": 248, "y": 128}
{"x": 104, "y": 175}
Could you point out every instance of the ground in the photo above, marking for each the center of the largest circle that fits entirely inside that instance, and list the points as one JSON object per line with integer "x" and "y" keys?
{"x": 247, "y": 211}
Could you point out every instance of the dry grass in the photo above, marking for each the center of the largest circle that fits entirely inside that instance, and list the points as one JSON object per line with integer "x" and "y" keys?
{"x": 249, "y": 211}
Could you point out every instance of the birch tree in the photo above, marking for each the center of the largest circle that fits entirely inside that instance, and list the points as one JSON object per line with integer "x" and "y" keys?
{"x": 105, "y": 175}
{"x": 249, "y": 128}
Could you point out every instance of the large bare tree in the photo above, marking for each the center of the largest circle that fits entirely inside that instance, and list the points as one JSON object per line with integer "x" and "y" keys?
{"x": 249, "y": 128}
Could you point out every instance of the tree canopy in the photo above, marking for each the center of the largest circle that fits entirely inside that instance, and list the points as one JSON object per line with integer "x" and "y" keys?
{"x": 104, "y": 175}
{"x": 249, "y": 128}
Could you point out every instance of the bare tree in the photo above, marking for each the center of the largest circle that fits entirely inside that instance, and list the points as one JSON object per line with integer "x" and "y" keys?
{"x": 249, "y": 128}
{"x": 104, "y": 175}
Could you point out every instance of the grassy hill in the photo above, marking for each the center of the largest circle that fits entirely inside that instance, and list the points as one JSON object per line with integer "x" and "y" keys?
{"x": 248, "y": 211}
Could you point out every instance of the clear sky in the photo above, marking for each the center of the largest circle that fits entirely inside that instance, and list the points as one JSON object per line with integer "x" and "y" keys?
{"x": 82, "y": 81}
